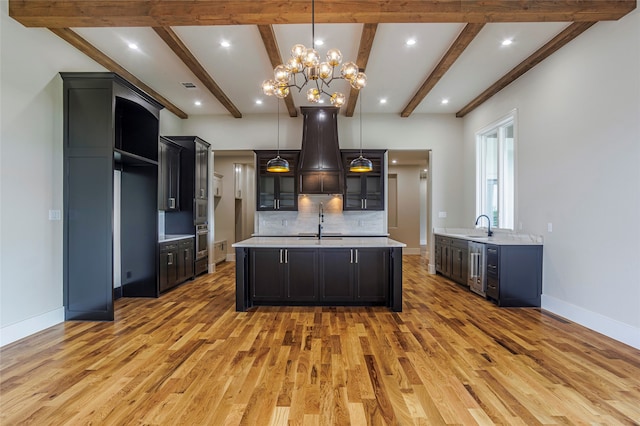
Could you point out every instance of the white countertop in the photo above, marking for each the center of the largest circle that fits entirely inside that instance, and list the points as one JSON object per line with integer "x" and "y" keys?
{"x": 312, "y": 242}
{"x": 500, "y": 238}
{"x": 173, "y": 237}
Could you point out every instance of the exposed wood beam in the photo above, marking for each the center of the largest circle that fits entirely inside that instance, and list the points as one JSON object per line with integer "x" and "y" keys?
{"x": 271, "y": 45}
{"x": 467, "y": 35}
{"x": 366, "y": 42}
{"x": 173, "y": 41}
{"x": 167, "y": 13}
{"x": 88, "y": 49}
{"x": 571, "y": 32}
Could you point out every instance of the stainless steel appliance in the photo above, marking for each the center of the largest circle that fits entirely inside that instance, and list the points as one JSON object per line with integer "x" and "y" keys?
{"x": 202, "y": 249}
{"x": 200, "y": 209}
{"x": 477, "y": 275}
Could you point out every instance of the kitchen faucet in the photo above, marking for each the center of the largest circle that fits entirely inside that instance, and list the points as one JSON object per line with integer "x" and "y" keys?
{"x": 489, "y": 233}
{"x": 320, "y": 220}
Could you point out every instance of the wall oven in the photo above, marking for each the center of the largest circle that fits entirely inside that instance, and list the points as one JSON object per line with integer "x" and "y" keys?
{"x": 477, "y": 275}
{"x": 200, "y": 209}
{"x": 202, "y": 249}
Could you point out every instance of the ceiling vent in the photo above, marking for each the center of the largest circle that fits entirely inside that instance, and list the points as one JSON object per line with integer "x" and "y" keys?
{"x": 320, "y": 166}
{"x": 189, "y": 85}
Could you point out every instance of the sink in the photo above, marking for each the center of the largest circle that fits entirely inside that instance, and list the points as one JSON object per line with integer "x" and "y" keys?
{"x": 477, "y": 237}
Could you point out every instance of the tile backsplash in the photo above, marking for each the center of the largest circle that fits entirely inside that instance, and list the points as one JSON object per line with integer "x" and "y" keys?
{"x": 336, "y": 221}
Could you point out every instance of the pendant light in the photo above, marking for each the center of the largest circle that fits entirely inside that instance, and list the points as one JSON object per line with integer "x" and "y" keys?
{"x": 360, "y": 164}
{"x": 278, "y": 164}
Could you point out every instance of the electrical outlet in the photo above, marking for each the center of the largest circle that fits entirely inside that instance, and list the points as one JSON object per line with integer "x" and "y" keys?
{"x": 442, "y": 215}
{"x": 549, "y": 227}
{"x": 54, "y": 215}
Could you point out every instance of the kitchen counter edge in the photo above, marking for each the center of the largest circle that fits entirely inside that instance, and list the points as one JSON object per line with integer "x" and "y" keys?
{"x": 329, "y": 242}
{"x": 499, "y": 240}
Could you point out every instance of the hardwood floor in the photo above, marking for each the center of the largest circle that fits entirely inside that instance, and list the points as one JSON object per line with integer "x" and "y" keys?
{"x": 450, "y": 357}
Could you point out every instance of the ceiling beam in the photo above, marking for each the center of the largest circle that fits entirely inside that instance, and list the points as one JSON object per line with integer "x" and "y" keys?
{"x": 271, "y": 45}
{"x": 366, "y": 42}
{"x": 173, "y": 41}
{"x": 91, "y": 51}
{"x": 167, "y": 13}
{"x": 569, "y": 33}
{"x": 467, "y": 35}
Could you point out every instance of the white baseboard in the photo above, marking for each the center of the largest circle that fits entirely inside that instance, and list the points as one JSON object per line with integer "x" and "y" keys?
{"x": 617, "y": 330}
{"x": 410, "y": 251}
{"x": 17, "y": 331}
{"x": 432, "y": 268}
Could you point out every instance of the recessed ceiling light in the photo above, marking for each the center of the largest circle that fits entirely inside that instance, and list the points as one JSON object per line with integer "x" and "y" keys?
{"x": 319, "y": 42}
{"x": 258, "y": 101}
{"x": 424, "y": 170}
{"x": 133, "y": 46}
{"x": 225, "y": 43}
{"x": 411, "y": 42}
{"x": 444, "y": 101}
{"x": 197, "y": 103}
{"x": 394, "y": 161}
{"x": 383, "y": 101}
{"x": 507, "y": 42}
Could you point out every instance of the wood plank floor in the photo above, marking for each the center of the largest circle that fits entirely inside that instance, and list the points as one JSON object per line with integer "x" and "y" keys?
{"x": 450, "y": 357}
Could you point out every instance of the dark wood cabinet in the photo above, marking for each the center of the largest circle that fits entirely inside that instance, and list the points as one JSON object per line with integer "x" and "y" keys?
{"x": 169, "y": 175}
{"x": 276, "y": 191}
{"x": 452, "y": 258}
{"x": 284, "y": 274}
{"x": 176, "y": 263}
{"x": 364, "y": 191}
{"x": 332, "y": 276}
{"x": 514, "y": 275}
{"x": 110, "y": 129}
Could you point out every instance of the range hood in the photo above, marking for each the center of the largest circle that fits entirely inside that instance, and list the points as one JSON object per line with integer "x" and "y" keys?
{"x": 320, "y": 166}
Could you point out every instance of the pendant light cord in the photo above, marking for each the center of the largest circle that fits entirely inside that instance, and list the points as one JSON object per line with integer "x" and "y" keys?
{"x": 278, "y": 121}
{"x": 360, "y": 106}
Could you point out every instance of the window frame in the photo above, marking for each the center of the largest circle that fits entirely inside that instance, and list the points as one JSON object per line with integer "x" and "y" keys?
{"x": 497, "y": 127}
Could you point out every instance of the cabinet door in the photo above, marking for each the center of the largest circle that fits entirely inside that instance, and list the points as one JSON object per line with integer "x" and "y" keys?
{"x": 337, "y": 274}
{"x": 267, "y": 192}
{"x": 169, "y": 176}
{"x": 168, "y": 266}
{"x": 372, "y": 274}
{"x": 202, "y": 171}
{"x": 353, "y": 193}
{"x": 266, "y": 283}
{"x": 302, "y": 274}
{"x": 185, "y": 263}
{"x": 287, "y": 196}
{"x": 374, "y": 192}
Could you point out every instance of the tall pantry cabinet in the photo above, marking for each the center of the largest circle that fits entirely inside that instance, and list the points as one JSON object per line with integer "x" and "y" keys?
{"x": 109, "y": 125}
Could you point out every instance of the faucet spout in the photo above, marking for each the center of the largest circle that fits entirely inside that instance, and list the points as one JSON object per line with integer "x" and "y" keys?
{"x": 320, "y": 220}
{"x": 489, "y": 232}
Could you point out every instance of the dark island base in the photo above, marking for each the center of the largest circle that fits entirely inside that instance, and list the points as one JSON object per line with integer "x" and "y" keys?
{"x": 318, "y": 277}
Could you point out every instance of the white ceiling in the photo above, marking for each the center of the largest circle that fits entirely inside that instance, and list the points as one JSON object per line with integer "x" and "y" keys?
{"x": 395, "y": 71}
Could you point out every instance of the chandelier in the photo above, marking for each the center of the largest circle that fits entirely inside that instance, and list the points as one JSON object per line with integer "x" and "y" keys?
{"x": 305, "y": 69}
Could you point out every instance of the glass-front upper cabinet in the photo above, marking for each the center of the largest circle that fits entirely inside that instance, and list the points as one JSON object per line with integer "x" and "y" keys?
{"x": 364, "y": 191}
{"x": 276, "y": 191}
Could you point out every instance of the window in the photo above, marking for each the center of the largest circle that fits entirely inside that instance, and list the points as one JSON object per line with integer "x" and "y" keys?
{"x": 495, "y": 172}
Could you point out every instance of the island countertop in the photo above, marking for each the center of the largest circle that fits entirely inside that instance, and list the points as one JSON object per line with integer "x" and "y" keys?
{"x": 314, "y": 242}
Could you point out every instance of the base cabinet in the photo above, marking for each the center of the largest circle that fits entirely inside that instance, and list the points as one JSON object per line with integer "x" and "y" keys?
{"x": 514, "y": 275}
{"x": 310, "y": 276}
{"x": 176, "y": 263}
{"x": 284, "y": 275}
{"x": 452, "y": 258}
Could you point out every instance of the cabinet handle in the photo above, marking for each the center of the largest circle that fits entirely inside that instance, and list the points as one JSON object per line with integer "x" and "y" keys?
{"x": 170, "y": 259}
{"x": 356, "y": 255}
{"x": 280, "y": 255}
{"x": 201, "y": 192}
{"x": 186, "y": 254}
{"x": 278, "y": 204}
{"x": 172, "y": 203}
{"x": 365, "y": 206}
{"x": 362, "y": 204}
{"x": 351, "y": 251}
{"x": 286, "y": 256}
{"x": 274, "y": 204}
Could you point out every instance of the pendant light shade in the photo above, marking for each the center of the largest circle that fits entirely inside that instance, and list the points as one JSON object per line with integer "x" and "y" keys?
{"x": 278, "y": 164}
{"x": 360, "y": 164}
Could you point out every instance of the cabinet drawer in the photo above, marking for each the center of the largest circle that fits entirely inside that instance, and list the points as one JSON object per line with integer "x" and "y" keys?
{"x": 493, "y": 288}
{"x": 164, "y": 247}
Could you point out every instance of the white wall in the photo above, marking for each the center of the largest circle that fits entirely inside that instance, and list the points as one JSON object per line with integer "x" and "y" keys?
{"x": 578, "y": 167}
{"x": 408, "y": 201}
{"x": 31, "y": 175}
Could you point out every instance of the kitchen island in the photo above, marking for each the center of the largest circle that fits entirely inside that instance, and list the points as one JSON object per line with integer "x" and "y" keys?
{"x": 307, "y": 271}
